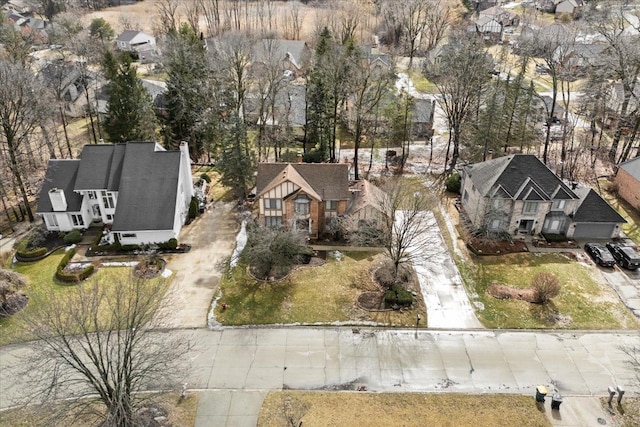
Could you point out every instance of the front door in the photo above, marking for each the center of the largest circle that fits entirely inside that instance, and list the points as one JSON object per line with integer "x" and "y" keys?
{"x": 525, "y": 225}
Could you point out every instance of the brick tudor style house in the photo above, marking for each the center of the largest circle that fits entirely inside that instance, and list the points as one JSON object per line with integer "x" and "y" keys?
{"x": 138, "y": 189}
{"x": 519, "y": 195}
{"x": 305, "y": 196}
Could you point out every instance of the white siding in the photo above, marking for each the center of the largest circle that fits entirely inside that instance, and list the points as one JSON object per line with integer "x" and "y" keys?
{"x": 147, "y": 236}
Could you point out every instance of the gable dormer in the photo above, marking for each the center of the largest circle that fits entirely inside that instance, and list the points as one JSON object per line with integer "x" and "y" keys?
{"x": 58, "y": 200}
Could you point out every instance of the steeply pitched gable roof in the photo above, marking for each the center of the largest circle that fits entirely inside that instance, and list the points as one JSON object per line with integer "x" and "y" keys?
{"x": 293, "y": 50}
{"x": 593, "y": 208}
{"x": 128, "y": 35}
{"x": 518, "y": 175}
{"x": 632, "y": 167}
{"x": 144, "y": 174}
{"x": 329, "y": 180}
{"x": 60, "y": 174}
{"x": 148, "y": 188}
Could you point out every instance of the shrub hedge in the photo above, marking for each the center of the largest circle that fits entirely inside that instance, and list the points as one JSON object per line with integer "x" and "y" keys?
{"x": 74, "y": 277}
{"x": 74, "y": 236}
{"x": 22, "y": 251}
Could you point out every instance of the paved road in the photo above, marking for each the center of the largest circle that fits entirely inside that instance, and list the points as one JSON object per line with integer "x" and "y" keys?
{"x": 262, "y": 359}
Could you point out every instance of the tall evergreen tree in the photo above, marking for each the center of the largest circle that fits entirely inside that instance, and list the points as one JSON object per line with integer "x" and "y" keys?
{"x": 130, "y": 115}
{"x": 191, "y": 113}
{"x": 237, "y": 159}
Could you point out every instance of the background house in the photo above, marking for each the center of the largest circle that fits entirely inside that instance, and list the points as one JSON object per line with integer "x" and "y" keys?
{"x": 137, "y": 42}
{"x": 293, "y": 55}
{"x": 628, "y": 182}
{"x": 139, "y": 189}
{"x": 519, "y": 195}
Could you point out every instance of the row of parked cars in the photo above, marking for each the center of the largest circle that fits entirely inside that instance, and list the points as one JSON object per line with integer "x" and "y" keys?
{"x": 611, "y": 253}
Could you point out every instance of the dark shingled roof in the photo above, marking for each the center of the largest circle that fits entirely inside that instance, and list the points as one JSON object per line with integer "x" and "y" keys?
{"x": 63, "y": 173}
{"x": 514, "y": 174}
{"x": 95, "y": 167}
{"x": 329, "y": 180}
{"x": 147, "y": 188}
{"x": 145, "y": 179}
{"x": 594, "y": 209}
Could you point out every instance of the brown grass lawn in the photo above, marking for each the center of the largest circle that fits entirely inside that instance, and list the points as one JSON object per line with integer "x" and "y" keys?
{"x": 632, "y": 227}
{"x": 179, "y": 413}
{"x": 400, "y": 409}
{"x": 323, "y": 294}
{"x": 588, "y": 303}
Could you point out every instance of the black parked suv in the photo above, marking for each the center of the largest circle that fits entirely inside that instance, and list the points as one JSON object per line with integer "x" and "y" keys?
{"x": 600, "y": 254}
{"x": 626, "y": 256}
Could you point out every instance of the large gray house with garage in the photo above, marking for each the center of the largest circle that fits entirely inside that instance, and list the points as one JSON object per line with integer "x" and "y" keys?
{"x": 138, "y": 190}
{"x": 519, "y": 195}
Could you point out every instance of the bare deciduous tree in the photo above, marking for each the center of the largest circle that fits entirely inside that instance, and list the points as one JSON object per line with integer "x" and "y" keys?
{"x": 99, "y": 344}
{"x": 545, "y": 286}
{"x": 21, "y": 111}
{"x": 460, "y": 75}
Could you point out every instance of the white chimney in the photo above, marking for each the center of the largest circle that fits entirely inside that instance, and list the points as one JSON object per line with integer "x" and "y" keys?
{"x": 58, "y": 201}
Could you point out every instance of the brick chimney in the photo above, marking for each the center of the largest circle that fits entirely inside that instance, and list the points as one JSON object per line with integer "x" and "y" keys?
{"x": 299, "y": 158}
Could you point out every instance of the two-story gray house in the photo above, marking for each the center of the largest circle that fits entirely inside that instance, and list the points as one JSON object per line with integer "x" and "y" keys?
{"x": 519, "y": 195}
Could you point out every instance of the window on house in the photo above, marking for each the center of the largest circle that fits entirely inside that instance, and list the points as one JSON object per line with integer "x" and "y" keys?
{"x": 92, "y": 195}
{"x": 128, "y": 235}
{"x": 530, "y": 207}
{"x": 77, "y": 220}
{"x": 301, "y": 205}
{"x": 109, "y": 217}
{"x": 273, "y": 221}
{"x": 273, "y": 204}
{"x": 107, "y": 200}
{"x": 52, "y": 220}
{"x": 495, "y": 224}
{"x": 331, "y": 205}
{"x": 558, "y": 205}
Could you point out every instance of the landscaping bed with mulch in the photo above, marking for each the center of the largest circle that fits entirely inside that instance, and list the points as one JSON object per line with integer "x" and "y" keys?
{"x": 480, "y": 246}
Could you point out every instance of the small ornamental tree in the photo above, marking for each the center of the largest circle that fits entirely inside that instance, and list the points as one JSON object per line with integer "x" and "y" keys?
{"x": 10, "y": 300}
{"x": 273, "y": 251}
{"x": 545, "y": 286}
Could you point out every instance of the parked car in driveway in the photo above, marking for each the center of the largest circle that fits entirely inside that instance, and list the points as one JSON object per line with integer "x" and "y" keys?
{"x": 625, "y": 256}
{"x": 600, "y": 254}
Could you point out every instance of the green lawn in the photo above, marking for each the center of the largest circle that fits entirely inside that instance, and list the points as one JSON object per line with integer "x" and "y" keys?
{"x": 589, "y": 304}
{"x": 323, "y": 294}
{"x": 41, "y": 287}
{"x": 421, "y": 83}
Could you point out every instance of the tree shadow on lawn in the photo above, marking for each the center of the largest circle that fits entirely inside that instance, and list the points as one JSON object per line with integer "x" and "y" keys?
{"x": 254, "y": 302}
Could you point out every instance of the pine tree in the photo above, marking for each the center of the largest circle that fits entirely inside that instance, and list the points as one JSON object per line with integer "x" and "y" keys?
{"x": 130, "y": 115}
{"x": 237, "y": 159}
{"x": 190, "y": 97}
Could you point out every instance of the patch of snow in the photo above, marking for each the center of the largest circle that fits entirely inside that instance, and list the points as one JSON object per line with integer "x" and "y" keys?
{"x": 166, "y": 273}
{"x": 241, "y": 241}
{"x": 120, "y": 264}
{"x": 451, "y": 231}
{"x": 404, "y": 83}
{"x": 68, "y": 248}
